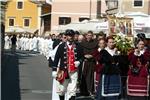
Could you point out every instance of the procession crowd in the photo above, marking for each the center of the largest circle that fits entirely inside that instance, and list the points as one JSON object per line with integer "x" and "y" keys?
{"x": 91, "y": 65}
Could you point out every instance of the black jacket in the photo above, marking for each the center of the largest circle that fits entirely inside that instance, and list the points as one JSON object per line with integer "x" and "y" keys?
{"x": 109, "y": 62}
{"x": 61, "y": 55}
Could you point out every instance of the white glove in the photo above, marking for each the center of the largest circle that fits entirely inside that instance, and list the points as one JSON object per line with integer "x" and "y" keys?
{"x": 54, "y": 74}
{"x": 77, "y": 63}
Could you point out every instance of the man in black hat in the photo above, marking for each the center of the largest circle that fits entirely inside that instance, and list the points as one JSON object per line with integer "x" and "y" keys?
{"x": 69, "y": 56}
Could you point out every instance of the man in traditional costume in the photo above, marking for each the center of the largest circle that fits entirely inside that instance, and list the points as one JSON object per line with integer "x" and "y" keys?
{"x": 69, "y": 54}
{"x": 138, "y": 78}
{"x": 109, "y": 87}
{"x": 87, "y": 81}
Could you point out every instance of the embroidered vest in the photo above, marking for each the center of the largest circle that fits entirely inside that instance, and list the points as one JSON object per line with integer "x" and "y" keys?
{"x": 71, "y": 59}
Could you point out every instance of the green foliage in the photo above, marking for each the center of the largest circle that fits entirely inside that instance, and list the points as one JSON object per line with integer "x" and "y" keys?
{"x": 123, "y": 44}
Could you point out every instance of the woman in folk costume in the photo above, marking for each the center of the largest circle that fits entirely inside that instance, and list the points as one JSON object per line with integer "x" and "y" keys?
{"x": 70, "y": 56}
{"x": 109, "y": 87}
{"x": 98, "y": 67}
{"x": 138, "y": 78}
{"x": 87, "y": 81}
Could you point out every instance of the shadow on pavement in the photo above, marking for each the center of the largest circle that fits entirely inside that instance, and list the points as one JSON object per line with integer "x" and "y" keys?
{"x": 10, "y": 78}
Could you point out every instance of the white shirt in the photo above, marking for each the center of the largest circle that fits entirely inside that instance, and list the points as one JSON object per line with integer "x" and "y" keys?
{"x": 112, "y": 52}
{"x": 69, "y": 45}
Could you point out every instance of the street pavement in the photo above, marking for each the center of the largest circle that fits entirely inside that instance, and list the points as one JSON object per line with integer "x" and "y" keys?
{"x": 26, "y": 76}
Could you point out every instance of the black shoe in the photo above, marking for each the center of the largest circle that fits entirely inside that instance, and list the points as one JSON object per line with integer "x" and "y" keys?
{"x": 61, "y": 97}
{"x": 72, "y": 98}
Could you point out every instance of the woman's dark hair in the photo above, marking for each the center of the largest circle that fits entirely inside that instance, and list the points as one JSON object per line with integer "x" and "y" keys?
{"x": 90, "y": 32}
{"x": 141, "y": 36}
{"x": 109, "y": 37}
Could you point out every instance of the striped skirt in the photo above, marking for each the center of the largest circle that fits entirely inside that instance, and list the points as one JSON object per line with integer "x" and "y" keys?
{"x": 137, "y": 86}
{"x": 111, "y": 85}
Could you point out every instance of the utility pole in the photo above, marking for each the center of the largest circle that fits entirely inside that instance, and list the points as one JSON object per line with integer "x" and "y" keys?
{"x": 90, "y": 9}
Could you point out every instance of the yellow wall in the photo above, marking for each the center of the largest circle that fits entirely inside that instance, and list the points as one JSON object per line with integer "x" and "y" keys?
{"x": 29, "y": 10}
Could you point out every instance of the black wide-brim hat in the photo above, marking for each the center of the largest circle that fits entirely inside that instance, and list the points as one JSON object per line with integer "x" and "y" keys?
{"x": 69, "y": 32}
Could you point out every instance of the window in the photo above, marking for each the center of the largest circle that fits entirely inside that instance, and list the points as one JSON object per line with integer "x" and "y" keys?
{"x": 82, "y": 19}
{"x": 11, "y": 22}
{"x": 26, "y": 22}
{"x": 19, "y": 5}
{"x": 64, "y": 20}
{"x": 138, "y": 3}
{"x": 111, "y": 4}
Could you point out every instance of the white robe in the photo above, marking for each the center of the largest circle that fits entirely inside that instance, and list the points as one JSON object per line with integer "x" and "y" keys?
{"x": 35, "y": 44}
{"x": 27, "y": 44}
{"x": 30, "y": 44}
{"x": 23, "y": 44}
{"x": 45, "y": 46}
{"x": 42, "y": 46}
{"x": 49, "y": 47}
{"x": 7, "y": 42}
{"x": 18, "y": 43}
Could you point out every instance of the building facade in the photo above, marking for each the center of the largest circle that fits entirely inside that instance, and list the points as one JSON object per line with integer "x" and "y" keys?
{"x": 54, "y": 13}
{"x": 44, "y": 15}
{"x": 68, "y": 11}
{"x": 21, "y": 14}
{"x": 127, "y": 6}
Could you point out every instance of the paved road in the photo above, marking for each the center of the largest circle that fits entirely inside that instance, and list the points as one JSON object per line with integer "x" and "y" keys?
{"x": 26, "y": 76}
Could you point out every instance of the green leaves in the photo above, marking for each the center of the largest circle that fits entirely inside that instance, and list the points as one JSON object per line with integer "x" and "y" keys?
{"x": 123, "y": 44}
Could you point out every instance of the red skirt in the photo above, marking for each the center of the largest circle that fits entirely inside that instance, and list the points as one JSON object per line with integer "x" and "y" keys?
{"x": 97, "y": 74}
{"x": 137, "y": 86}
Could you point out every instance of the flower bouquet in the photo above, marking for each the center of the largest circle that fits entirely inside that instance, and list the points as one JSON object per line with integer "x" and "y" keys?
{"x": 123, "y": 43}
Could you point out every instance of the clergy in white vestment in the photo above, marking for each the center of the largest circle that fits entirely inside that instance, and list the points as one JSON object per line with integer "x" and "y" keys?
{"x": 35, "y": 44}
{"x": 19, "y": 42}
{"x": 30, "y": 44}
{"x": 45, "y": 46}
{"x": 27, "y": 43}
{"x": 42, "y": 45}
{"x": 49, "y": 47}
{"x": 23, "y": 43}
{"x": 7, "y": 42}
